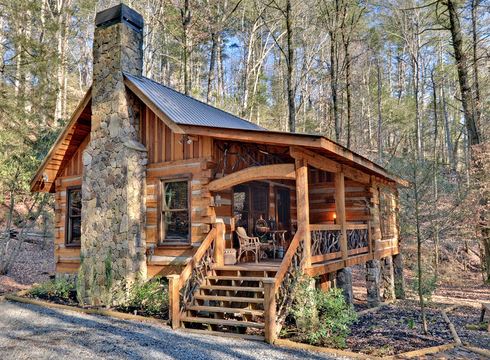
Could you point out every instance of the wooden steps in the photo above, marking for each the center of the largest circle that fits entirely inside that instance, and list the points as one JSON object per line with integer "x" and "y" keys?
{"x": 232, "y": 288}
{"x": 202, "y": 320}
{"x": 230, "y": 301}
{"x": 229, "y": 310}
{"x": 227, "y": 334}
{"x": 230, "y": 298}
{"x": 247, "y": 268}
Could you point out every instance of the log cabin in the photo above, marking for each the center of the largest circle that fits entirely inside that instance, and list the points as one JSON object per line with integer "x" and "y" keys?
{"x": 151, "y": 182}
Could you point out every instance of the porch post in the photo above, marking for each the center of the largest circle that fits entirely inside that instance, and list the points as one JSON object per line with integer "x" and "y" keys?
{"x": 303, "y": 208}
{"x": 340, "y": 210}
{"x": 270, "y": 310}
{"x": 219, "y": 245}
{"x": 174, "y": 300}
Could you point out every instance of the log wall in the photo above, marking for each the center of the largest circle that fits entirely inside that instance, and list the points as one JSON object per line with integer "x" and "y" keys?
{"x": 198, "y": 159}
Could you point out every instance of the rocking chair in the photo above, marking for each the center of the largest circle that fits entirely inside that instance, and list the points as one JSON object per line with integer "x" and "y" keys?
{"x": 248, "y": 244}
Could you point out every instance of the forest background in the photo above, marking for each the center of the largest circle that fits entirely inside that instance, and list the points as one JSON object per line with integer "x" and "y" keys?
{"x": 405, "y": 83}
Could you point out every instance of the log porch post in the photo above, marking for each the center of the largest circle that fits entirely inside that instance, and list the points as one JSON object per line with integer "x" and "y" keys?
{"x": 174, "y": 300}
{"x": 219, "y": 246}
{"x": 303, "y": 208}
{"x": 340, "y": 210}
{"x": 270, "y": 310}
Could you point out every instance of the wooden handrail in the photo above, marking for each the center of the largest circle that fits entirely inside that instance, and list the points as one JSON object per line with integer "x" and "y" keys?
{"x": 184, "y": 275}
{"x": 286, "y": 261}
{"x": 349, "y": 226}
{"x": 356, "y": 226}
{"x": 325, "y": 227}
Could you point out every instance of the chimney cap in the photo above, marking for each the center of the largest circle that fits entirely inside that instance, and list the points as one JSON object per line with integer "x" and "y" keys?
{"x": 117, "y": 14}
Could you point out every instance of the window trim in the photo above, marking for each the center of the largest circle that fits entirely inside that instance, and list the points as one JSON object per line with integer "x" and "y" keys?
{"x": 161, "y": 242}
{"x": 68, "y": 234}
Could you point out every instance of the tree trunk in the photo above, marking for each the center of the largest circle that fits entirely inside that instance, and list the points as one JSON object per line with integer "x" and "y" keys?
{"x": 476, "y": 81}
{"x": 212, "y": 60}
{"x": 334, "y": 84}
{"x": 419, "y": 249}
{"x": 461, "y": 63}
{"x": 186, "y": 16}
{"x": 380, "y": 116}
{"x": 470, "y": 114}
{"x": 434, "y": 174}
{"x": 290, "y": 67}
{"x": 348, "y": 92}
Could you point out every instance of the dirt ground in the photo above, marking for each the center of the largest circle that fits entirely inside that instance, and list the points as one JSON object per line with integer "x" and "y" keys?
{"x": 34, "y": 264}
{"x": 462, "y": 288}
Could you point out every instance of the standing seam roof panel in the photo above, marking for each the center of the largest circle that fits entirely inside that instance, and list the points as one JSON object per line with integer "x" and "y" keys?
{"x": 185, "y": 110}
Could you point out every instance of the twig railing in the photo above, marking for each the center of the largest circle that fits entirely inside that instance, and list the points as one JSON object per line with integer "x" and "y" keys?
{"x": 279, "y": 291}
{"x": 183, "y": 287}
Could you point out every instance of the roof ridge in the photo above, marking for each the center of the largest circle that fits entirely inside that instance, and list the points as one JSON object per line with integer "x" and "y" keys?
{"x": 194, "y": 99}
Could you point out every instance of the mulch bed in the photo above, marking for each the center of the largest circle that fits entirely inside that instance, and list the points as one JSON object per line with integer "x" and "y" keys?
{"x": 70, "y": 301}
{"x": 466, "y": 320}
{"x": 395, "y": 329}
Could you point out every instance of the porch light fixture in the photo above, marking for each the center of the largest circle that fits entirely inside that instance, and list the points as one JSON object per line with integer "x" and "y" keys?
{"x": 335, "y": 218}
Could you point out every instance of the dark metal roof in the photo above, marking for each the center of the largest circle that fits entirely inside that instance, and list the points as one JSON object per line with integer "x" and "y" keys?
{"x": 185, "y": 110}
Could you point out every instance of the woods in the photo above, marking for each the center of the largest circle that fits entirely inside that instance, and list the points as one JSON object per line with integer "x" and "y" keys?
{"x": 403, "y": 83}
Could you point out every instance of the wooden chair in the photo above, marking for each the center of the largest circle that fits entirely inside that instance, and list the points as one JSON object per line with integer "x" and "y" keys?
{"x": 248, "y": 244}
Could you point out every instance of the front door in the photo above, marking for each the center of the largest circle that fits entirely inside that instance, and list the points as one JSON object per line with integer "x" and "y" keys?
{"x": 250, "y": 203}
{"x": 283, "y": 208}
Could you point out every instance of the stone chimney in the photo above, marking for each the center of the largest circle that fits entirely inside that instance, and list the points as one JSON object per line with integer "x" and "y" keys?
{"x": 114, "y": 163}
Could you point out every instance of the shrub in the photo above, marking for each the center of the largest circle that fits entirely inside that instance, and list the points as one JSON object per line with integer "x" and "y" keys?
{"x": 150, "y": 297}
{"x": 60, "y": 288}
{"x": 327, "y": 313}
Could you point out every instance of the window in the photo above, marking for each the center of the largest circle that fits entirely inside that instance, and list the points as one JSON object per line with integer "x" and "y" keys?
{"x": 74, "y": 216}
{"x": 174, "y": 216}
{"x": 387, "y": 213}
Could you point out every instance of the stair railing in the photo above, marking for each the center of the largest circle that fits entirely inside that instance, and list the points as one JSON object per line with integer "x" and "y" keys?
{"x": 278, "y": 291}
{"x": 183, "y": 287}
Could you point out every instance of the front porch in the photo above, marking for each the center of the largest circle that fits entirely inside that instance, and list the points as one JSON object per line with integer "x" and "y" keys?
{"x": 331, "y": 217}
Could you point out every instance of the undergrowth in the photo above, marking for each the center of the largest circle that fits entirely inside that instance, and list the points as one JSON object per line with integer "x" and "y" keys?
{"x": 148, "y": 298}
{"x": 321, "y": 318}
{"x": 59, "y": 289}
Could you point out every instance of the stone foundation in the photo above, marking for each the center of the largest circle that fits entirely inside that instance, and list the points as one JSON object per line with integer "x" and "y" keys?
{"x": 373, "y": 277}
{"x": 344, "y": 282}
{"x": 387, "y": 279}
{"x": 113, "y": 209}
{"x": 399, "y": 279}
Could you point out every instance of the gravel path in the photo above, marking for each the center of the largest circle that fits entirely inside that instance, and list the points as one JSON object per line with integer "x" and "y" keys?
{"x": 32, "y": 332}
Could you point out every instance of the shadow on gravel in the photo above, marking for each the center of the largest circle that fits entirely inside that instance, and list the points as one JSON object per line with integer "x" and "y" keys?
{"x": 54, "y": 331}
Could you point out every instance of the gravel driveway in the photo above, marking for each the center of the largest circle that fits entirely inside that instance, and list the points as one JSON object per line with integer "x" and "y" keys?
{"x": 32, "y": 332}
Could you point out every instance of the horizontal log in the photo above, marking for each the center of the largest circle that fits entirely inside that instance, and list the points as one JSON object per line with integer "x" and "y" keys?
{"x": 277, "y": 171}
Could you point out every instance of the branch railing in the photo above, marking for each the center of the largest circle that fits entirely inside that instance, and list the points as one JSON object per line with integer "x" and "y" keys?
{"x": 326, "y": 241}
{"x": 279, "y": 291}
{"x": 183, "y": 287}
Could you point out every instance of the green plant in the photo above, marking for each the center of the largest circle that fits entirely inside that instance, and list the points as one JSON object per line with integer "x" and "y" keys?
{"x": 327, "y": 315}
{"x": 429, "y": 285}
{"x": 60, "y": 288}
{"x": 108, "y": 271}
{"x": 150, "y": 297}
{"x": 411, "y": 323}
